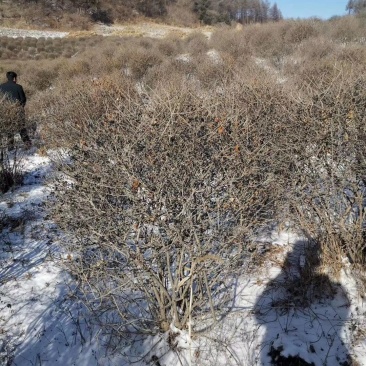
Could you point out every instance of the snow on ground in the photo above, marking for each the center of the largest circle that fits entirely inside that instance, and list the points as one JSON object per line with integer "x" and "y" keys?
{"x": 286, "y": 305}
{"x": 135, "y": 30}
{"x": 273, "y": 315}
{"x": 22, "y": 33}
{"x": 39, "y": 322}
{"x": 149, "y": 30}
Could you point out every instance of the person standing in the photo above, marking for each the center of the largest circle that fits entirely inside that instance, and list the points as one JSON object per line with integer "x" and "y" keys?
{"x": 15, "y": 93}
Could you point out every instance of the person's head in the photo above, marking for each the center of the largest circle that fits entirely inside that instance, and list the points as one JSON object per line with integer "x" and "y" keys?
{"x": 11, "y": 76}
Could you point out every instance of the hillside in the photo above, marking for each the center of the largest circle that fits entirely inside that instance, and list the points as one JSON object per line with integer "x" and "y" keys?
{"x": 80, "y": 14}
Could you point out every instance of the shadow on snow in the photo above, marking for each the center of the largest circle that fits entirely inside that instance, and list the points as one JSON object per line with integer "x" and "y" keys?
{"x": 304, "y": 313}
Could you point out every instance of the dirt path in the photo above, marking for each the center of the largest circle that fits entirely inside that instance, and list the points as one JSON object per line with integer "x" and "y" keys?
{"x": 152, "y": 30}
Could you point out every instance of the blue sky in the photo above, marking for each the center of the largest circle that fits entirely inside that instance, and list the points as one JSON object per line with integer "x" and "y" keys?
{"x": 307, "y": 8}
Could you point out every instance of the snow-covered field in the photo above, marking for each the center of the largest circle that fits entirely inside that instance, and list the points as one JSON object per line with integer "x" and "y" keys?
{"x": 274, "y": 310}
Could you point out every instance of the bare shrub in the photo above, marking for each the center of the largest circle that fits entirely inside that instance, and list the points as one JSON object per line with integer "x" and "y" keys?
{"x": 11, "y": 122}
{"x": 12, "y": 47}
{"x": 299, "y": 31}
{"x": 346, "y": 29}
{"x": 329, "y": 197}
{"x": 31, "y": 42}
{"x": 50, "y": 47}
{"x": 140, "y": 60}
{"x": 10, "y": 169}
{"x": 41, "y": 40}
{"x": 170, "y": 46}
{"x": 169, "y": 71}
{"x": 42, "y": 79}
{"x": 31, "y": 74}
{"x": 213, "y": 69}
{"x": 145, "y": 43}
{"x": 6, "y": 55}
{"x": 207, "y": 69}
{"x": 94, "y": 40}
{"x": 231, "y": 42}
{"x": 209, "y": 72}
{"x": 4, "y": 41}
{"x": 22, "y": 55}
{"x": 314, "y": 75}
{"x": 316, "y": 48}
{"x": 196, "y": 43}
{"x": 77, "y": 67}
{"x": 67, "y": 53}
{"x": 265, "y": 39}
{"x": 56, "y": 42}
{"x": 352, "y": 54}
{"x": 32, "y": 51}
{"x": 12, "y": 116}
{"x": 165, "y": 195}
{"x": 41, "y": 48}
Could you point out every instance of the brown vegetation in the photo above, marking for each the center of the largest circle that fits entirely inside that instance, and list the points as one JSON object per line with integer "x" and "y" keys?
{"x": 11, "y": 122}
{"x": 175, "y": 160}
{"x": 81, "y": 14}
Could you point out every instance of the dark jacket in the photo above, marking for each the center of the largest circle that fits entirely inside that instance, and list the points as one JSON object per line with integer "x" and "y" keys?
{"x": 14, "y": 92}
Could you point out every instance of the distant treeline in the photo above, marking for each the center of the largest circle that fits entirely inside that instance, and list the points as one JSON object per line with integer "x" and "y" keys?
{"x": 204, "y": 11}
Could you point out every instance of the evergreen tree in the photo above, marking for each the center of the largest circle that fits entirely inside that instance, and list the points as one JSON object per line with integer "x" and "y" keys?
{"x": 350, "y": 6}
{"x": 253, "y": 11}
{"x": 202, "y": 7}
{"x": 356, "y": 6}
{"x": 151, "y": 8}
{"x": 275, "y": 13}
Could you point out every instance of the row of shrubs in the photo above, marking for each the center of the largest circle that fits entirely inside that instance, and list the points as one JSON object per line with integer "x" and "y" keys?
{"x": 273, "y": 40}
{"x": 29, "y": 48}
{"x": 314, "y": 59}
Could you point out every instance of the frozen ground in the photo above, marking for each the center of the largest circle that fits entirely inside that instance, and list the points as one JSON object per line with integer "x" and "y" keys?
{"x": 285, "y": 305}
{"x": 22, "y": 33}
{"x": 134, "y": 30}
{"x": 40, "y": 324}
